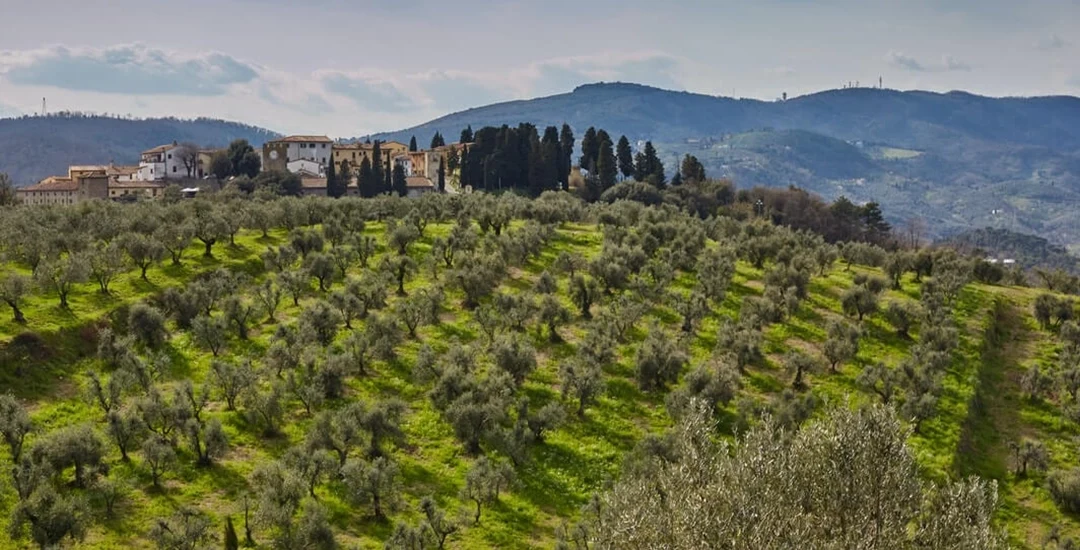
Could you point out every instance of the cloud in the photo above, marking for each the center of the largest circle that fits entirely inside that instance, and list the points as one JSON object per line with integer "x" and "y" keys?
{"x": 947, "y": 64}
{"x": 146, "y": 81}
{"x": 455, "y": 91}
{"x": 368, "y": 93}
{"x": 1051, "y": 43}
{"x": 779, "y": 71}
{"x": 127, "y": 69}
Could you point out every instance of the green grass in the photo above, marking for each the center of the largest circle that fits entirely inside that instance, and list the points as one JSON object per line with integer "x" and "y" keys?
{"x": 979, "y": 411}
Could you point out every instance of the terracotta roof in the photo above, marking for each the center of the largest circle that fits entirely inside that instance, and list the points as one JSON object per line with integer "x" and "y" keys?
{"x": 88, "y": 168}
{"x": 158, "y": 149}
{"x": 114, "y": 170}
{"x": 52, "y": 183}
{"x": 297, "y": 139}
{"x": 418, "y": 182}
{"x": 313, "y": 183}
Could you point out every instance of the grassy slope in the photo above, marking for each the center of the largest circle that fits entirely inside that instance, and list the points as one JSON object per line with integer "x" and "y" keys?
{"x": 577, "y": 458}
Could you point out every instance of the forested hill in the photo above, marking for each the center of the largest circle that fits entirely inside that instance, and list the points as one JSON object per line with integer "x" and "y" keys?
{"x": 32, "y": 148}
{"x": 958, "y": 161}
{"x": 914, "y": 119}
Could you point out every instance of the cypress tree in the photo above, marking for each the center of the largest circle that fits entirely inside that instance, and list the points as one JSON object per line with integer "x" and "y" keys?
{"x": 463, "y": 168}
{"x": 654, "y": 169}
{"x": 466, "y": 135}
{"x": 437, "y": 140}
{"x": 606, "y": 165}
{"x": 676, "y": 180}
{"x": 590, "y": 148}
{"x": 399, "y": 183}
{"x": 691, "y": 169}
{"x": 333, "y": 187}
{"x": 376, "y": 168}
{"x": 566, "y": 154}
{"x": 388, "y": 178}
{"x": 641, "y": 166}
{"x": 602, "y": 135}
{"x": 366, "y": 179}
{"x": 412, "y": 144}
{"x": 345, "y": 174}
{"x": 442, "y": 176}
{"x": 625, "y": 157}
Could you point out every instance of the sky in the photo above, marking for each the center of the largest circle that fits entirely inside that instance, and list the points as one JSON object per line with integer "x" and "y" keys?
{"x": 350, "y": 68}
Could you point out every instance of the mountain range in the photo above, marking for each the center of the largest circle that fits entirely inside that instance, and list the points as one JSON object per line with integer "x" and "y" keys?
{"x": 956, "y": 160}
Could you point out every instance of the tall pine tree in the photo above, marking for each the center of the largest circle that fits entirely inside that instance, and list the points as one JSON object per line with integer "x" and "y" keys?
{"x": 412, "y": 144}
{"x": 566, "y": 155}
{"x": 590, "y": 148}
{"x": 625, "y": 157}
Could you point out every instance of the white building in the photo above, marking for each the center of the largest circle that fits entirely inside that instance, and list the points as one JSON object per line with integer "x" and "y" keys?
{"x": 306, "y": 167}
{"x": 277, "y": 154}
{"x": 161, "y": 162}
{"x": 405, "y": 161}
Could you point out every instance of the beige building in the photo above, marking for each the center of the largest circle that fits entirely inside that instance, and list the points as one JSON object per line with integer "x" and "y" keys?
{"x": 119, "y": 190}
{"x": 355, "y": 153}
{"x": 203, "y": 162}
{"x": 418, "y": 185}
{"x": 82, "y": 183}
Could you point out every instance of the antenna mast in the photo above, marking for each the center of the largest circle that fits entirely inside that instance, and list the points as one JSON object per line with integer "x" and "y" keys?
{"x": 43, "y": 107}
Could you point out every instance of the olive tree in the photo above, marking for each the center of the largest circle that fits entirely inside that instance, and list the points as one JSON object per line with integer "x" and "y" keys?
{"x": 372, "y": 483}
{"x": 186, "y": 529}
{"x": 485, "y": 482}
{"x": 14, "y": 287}
{"x": 709, "y": 494}
{"x": 143, "y": 251}
{"x": 60, "y": 275}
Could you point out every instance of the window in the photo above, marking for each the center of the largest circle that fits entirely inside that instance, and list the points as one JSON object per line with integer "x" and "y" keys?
{"x": 174, "y": 169}
{"x": 170, "y": 156}
{"x": 324, "y": 146}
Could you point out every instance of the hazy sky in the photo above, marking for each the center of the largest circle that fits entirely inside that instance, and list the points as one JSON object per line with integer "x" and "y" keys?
{"x": 347, "y": 68}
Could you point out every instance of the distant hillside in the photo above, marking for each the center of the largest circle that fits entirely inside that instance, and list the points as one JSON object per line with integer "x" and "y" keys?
{"x": 1028, "y": 250}
{"x": 909, "y": 119}
{"x": 958, "y": 160}
{"x": 32, "y": 148}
